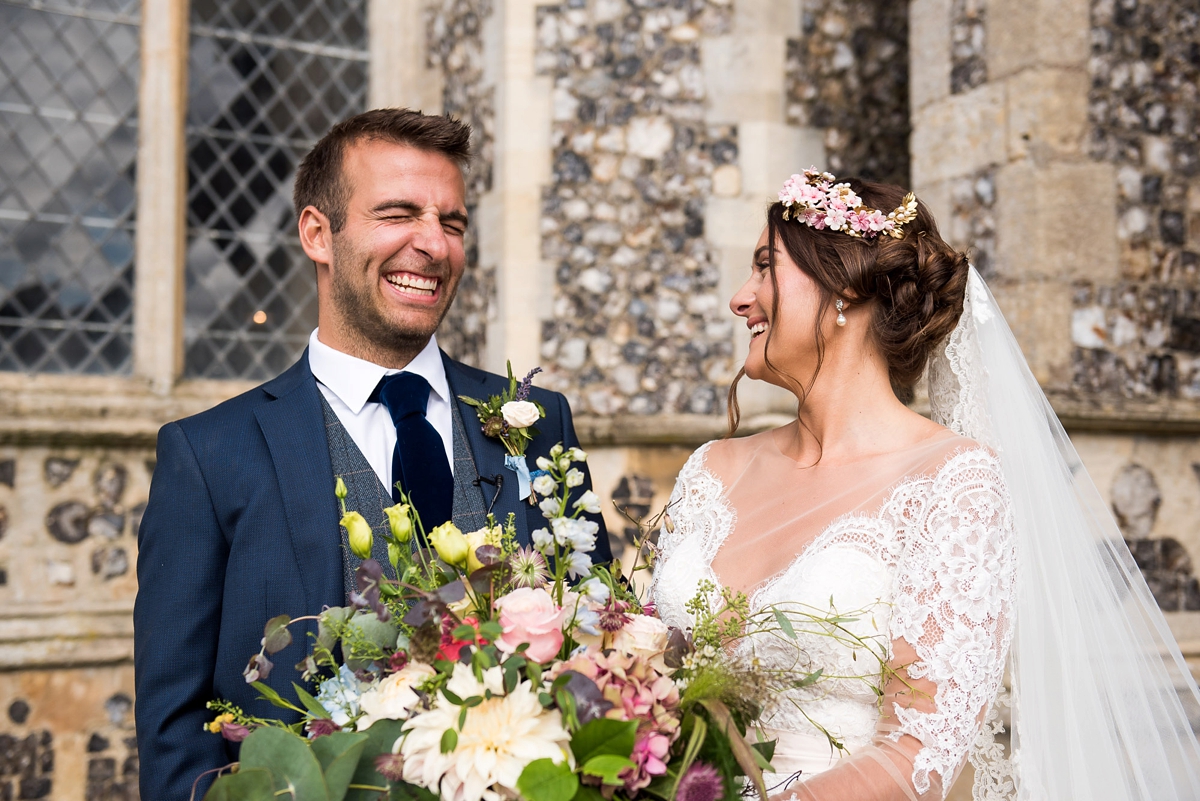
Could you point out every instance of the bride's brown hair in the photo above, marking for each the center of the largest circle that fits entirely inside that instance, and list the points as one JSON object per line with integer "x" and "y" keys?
{"x": 913, "y": 286}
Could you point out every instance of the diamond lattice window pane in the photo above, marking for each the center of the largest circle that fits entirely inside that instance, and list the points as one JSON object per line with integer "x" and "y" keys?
{"x": 267, "y": 79}
{"x": 68, "y": 143}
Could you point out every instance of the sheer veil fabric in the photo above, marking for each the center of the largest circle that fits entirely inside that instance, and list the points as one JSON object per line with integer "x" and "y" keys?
{"x": 1103, "y": 703}
{"x": 982, "y": 535}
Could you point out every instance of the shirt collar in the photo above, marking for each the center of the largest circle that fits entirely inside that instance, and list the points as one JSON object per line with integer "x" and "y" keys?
{"x": 353, "y": 379}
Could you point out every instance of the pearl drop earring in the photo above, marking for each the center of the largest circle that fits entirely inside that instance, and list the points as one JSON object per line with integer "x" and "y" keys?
{"x": 841, "y": 318}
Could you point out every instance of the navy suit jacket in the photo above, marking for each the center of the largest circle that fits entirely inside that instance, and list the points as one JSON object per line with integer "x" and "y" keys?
{"x": 242, "y": 525}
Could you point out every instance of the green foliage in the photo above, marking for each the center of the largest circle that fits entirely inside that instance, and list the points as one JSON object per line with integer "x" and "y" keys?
{"x": 292, "y": 764}
{"x": 245, "y": 785}
{"x": 544, "y": 780}
{"x": 338, "y": 754}
{"x": 604, "y": 736}
{"x": 380, "y": 738}
{"x": 607, "y": 767}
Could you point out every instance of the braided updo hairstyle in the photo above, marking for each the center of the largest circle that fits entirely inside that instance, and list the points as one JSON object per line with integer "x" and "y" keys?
{"x": 914, "y": 287}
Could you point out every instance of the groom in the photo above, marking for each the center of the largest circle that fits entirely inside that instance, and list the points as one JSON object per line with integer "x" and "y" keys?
{"x": 242, "y": 522}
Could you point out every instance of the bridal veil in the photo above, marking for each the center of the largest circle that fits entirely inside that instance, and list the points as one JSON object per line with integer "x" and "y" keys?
{"x": 1103, "y": 704}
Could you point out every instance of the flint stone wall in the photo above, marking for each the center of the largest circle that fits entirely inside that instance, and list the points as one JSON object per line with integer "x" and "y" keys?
{"x": 847, "y": 75}
{"x": 623, "y": 219}
{"x": 455, "y": 38}
{"x": 1140, "y": 338}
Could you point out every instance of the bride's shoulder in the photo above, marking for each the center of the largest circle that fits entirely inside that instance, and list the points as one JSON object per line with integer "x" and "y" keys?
{"x": 955, "y": 458}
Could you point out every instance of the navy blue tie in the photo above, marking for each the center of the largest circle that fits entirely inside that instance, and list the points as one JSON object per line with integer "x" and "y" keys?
{"x": 419, "y": 461}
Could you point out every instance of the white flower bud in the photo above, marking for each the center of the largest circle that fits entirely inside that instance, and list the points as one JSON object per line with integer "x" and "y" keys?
{"x": 544, "y": 485}
{"x": 589, "y": 502}
{"x": 574, "y": 477}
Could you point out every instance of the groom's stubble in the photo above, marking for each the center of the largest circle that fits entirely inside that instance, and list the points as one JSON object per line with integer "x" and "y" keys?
{"x": 363, "y": 312}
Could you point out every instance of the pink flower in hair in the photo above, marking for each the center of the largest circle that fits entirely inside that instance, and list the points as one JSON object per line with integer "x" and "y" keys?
{"x": 836, "y": 219}
{"x": 814, "y": 219}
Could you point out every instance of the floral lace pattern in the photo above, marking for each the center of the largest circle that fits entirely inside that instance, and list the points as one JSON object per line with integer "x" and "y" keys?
{"x": 957, "y": 378}
{"x": 938, "y": 560}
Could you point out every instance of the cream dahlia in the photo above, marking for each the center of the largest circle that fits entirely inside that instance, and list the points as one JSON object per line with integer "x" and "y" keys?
{"x": 500, "y": 737}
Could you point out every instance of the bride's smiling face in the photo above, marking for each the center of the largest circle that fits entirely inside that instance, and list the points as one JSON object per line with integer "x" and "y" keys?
{"x": 781, "y": 312}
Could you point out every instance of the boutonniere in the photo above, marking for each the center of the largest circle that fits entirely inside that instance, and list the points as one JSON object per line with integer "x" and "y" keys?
{"x": 509, "y": 417}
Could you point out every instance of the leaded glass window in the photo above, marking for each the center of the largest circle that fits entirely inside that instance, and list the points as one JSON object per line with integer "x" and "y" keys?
{"x": 267, "y": 78}
{"x": 68, "y": 145}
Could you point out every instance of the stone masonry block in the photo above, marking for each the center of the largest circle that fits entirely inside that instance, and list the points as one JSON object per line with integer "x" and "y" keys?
{"x": 929, "y": 52}
{"x": 1047, "y": 113}
{"x": 772, "y": 17}
{"x": 1039, "y": 313}
{"x": 959, "y": 135}
{"x": 744, "y": 77}
{"x": 770, "y": 152}
{"x": 1027, "y": 33}
{"x": 1057, "y": 221}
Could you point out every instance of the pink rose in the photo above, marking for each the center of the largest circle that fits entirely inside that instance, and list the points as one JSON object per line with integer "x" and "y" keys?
{"x": 530, "y": 616}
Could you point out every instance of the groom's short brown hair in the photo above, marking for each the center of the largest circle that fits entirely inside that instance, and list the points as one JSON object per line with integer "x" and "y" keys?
{"x": 320, "y": 181}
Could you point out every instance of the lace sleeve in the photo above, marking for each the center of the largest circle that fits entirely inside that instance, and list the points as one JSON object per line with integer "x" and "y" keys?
{"x": 950, "y": 628}
{"x": 953, "y": 607}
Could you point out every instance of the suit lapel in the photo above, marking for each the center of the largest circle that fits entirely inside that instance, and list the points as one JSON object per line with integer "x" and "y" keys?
{"x": 294, "y": 429}
{"x": 488, "y": 452}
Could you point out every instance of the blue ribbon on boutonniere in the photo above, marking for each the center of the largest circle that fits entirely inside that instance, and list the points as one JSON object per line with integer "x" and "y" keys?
{"x": 518, "y": 465}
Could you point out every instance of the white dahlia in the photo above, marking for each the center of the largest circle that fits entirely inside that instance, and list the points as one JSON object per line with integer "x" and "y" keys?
{"x": 500, "y": 737}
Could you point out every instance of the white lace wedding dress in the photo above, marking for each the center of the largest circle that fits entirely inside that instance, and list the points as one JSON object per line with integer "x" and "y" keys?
{"x": 919, "y": 546}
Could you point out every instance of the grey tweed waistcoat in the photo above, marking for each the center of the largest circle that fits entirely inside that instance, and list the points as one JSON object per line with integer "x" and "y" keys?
{"x": 367, "y": 495}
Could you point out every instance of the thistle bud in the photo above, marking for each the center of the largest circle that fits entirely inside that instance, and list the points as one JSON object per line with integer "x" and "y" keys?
{"x": 450, "y": 544}
{"x": 400, "y": 522}
{"x": 360, "y": 536}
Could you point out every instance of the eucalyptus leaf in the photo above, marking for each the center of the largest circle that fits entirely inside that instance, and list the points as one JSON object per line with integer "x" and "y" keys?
{"x": 544, "y": 780}
{"x": 377, "y": 631}
{"x": 292, "y": 764}
{"x": 276, "y": 635}
{"x": 339, "y": 754}
{"x": 245, "y": 785}
{"x": 381, "y": 738}
{"x": 785, "y": 624}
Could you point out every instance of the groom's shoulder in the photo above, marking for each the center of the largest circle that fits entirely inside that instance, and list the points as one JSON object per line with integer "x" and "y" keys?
{"x": 226, "y": 418}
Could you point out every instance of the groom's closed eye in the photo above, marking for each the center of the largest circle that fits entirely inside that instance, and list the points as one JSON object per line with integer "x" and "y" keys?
{"x": 454, "y": 222}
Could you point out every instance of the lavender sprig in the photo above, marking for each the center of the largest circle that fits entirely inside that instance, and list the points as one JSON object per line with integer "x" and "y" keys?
{"x": 526, "y": 384}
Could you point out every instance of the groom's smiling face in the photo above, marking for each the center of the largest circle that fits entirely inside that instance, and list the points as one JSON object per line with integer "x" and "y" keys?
{"x": 394, "y": 267}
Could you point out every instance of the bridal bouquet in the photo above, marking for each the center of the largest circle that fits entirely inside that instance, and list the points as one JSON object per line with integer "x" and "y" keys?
{"x": 472, "y": 668}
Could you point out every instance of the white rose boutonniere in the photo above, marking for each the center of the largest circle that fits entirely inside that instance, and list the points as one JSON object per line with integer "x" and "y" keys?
{"x": 520, "y": 414}
{"x": 509, "y": 417}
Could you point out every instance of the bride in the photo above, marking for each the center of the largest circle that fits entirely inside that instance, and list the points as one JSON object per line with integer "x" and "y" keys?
{"x": 965, "y": 544}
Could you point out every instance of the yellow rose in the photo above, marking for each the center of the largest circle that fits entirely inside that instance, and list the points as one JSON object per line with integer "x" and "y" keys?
{"x": 400, "y": 521}
{"x": 450, "y": 544}
{"x": 477, "y": 539}
{"x": 359, "y": 531}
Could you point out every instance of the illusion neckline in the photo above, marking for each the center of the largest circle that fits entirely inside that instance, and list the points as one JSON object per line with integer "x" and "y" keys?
{"x": 941, "y": 432}
{"x": 862, "y": 517}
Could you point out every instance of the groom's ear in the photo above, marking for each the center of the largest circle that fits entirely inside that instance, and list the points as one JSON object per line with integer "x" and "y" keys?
{"x": 316, "y": 237}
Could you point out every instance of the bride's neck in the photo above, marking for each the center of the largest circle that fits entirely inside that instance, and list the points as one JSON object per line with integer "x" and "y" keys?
{"x": 851, "y": 411}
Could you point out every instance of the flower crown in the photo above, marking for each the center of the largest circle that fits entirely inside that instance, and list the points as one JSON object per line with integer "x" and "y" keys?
{"x": 815, "y": 200}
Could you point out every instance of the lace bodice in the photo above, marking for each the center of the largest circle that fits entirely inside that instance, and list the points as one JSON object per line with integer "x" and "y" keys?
{"x": 930, "y": 573}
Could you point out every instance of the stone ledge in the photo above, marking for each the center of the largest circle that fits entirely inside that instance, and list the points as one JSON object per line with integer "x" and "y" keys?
{"x": 42, "y": 637}
{"x": 123, "y": 412}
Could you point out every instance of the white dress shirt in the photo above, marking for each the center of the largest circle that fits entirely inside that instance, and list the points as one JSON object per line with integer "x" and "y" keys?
{"x": 347, "y": 382}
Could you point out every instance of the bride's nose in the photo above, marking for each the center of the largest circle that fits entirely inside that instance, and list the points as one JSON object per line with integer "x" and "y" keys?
{"x": 742, "y": 301}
